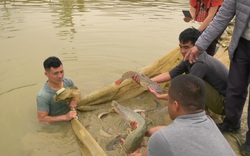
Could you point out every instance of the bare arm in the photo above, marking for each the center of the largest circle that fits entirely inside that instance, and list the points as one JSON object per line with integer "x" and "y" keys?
{"x": 192, "y": 12}
{"x": 44, "y": 117}
{"x": 154, "y": 129}
{"x": 211, "y": 13}
{"x": 164, "y": 77}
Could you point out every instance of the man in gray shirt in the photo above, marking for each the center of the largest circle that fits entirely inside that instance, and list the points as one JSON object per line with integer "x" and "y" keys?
{"x": 192, "y": 133}
{"x": 47, "y": 109}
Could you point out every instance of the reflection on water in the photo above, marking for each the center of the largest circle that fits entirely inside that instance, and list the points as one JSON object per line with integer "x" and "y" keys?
{"x": 97, "y": 40}
{"x": 64, "y": 11}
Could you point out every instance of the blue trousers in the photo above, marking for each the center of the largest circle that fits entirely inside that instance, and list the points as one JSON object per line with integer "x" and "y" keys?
{"x": 237, "y": 86}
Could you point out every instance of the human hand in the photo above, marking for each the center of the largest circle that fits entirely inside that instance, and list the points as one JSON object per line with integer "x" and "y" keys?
{"x": 71, "y": 115}
{"x": 191, "y": 55}
{"x": 187, "y": 19}
{"x": 136, "y": 78}
{"x": 154, "y": 92}
{"x": 133, "y": 124}
{"x": 73, "y": 103}
{"x": 157, "y": 95}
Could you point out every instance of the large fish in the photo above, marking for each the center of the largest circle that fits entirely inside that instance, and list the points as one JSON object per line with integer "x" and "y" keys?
{"x": 67, "y": 94}
{"x": 144, "y": 81}
{"x": 134, "y": 139}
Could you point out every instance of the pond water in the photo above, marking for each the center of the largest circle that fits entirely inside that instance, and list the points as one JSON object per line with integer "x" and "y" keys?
{"x": 97, "y": 42}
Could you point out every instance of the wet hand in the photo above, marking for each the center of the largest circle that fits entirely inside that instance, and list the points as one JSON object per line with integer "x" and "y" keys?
{"x": 157, "y": 95}
{"x": 73, "y": 103}
{"x": 71, "y": 115}
{"x": 136, "y": 78}
{"x": 192, "y": 54}
{"x": 152, "y": 91}
{"x": 133, "y": 125}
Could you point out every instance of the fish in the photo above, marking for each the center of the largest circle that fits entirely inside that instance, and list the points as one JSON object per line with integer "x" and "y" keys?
{"x": 135, "y": 137}
{"x": 144, "y": 81}
{"x": 115, "y": 142}
{"x": 67, "y": 94}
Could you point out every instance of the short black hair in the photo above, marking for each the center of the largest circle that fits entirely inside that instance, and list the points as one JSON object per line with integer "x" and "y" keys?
{"x": 189, "y": 34}
{"x": 52, "y": 61}
{"x": 189, "y": 91}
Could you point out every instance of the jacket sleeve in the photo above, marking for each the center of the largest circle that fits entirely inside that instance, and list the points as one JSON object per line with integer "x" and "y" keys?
{"x": 218, "y": 24}
{"x": 179, "y": 69}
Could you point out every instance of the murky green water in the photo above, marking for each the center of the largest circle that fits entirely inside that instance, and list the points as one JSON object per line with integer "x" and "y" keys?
{"x": 97, "y": 42}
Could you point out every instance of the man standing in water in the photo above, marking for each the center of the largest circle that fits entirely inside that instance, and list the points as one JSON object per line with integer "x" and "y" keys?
{"x": 47, "y": 109}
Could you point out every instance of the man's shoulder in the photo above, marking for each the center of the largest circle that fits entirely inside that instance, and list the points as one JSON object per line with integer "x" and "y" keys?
{"x": 43, "y": 93}
{"x": 212, "y": 60}
{"x": 171, "y": 129}
{"x": 43, "y": 90}
{"x": 204, "y": 56}
{"x": 67, "y": 79}
{"x": 68, "y": 82}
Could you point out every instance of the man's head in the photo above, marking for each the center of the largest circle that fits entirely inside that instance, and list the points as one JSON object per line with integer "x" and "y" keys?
{"x": 53, "y": 70}
{"x": 187, "y": 39}
{"x": 51, "y": 62}
{"x": 186, "y": 95}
